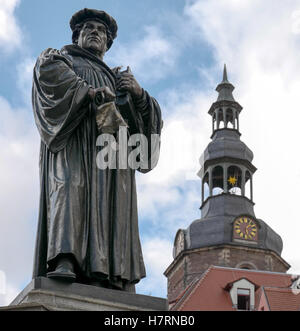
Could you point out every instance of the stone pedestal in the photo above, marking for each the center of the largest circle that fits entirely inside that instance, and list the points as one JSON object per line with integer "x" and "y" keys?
{"x": 44, "y": 294}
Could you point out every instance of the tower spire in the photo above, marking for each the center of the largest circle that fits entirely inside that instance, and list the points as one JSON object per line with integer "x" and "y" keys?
{"x": 225, "y": 77}
{"x": 225, "y": 111}
{"x": 225, "y": 88}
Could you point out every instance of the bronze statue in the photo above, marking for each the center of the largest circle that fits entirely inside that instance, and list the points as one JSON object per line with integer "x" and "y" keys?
{"x": 88, "y": 223}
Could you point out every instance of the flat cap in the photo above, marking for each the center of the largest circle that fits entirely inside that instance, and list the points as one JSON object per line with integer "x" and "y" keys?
{"x": 92, "y": 14}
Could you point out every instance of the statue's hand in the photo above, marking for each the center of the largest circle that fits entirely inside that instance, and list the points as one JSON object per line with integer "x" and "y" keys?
{"x": 126, "y": 82}
{"x": 101, "y": 95}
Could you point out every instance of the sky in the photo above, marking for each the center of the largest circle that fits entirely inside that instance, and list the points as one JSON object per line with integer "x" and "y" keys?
{"x": 176, "y": 50}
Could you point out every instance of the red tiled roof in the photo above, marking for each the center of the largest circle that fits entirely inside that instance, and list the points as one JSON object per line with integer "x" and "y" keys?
{"x": 187, "y": 291}
{"x": 282, "y": 299}
{"x": 209, "y": 292}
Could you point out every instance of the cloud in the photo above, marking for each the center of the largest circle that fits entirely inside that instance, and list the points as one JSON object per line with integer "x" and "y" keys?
{"x": 10, "y": 33}
{"x": 24, "y": 81}
{"x": 261, "y": 49}
{"x": 152, "y": 51}
{"x": 185, "y": 134}
{"x": 169, "y": 196}
{"x": 7, "y": 291}
{"x": 296, "y": 21}
{"x": 19, "y": 145}
{"x": 157, "y": 256}
{"x": 8, "y": 295}
{"x": 260, "y": 42}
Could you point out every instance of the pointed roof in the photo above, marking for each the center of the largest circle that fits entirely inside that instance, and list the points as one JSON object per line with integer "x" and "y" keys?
{"x": 225, "y": 97}
{"x": 225, "y": 76}
{"x": 225, "y": 88}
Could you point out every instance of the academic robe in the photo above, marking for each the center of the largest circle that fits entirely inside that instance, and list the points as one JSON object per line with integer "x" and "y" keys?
{"x": 85, "y": 212}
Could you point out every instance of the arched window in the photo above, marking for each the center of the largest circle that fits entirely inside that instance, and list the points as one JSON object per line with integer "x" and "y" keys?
{"x": 234, "y": 180}
{"x": 248, "y": 186}
{"x": 205, "y": 187}
{"x": 220, "y": 119}
{"x": 214, "y": 121}
{"x": 230, "y": 120}
{"x": 218, "y": 180}
{"x": 246, "y": 265}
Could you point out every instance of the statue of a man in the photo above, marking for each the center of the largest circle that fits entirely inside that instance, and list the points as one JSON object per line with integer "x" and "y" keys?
{"x": 88, "y": 225}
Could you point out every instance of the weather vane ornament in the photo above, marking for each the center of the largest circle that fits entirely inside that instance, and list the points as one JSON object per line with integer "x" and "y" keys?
{"x": 232, "y": 181}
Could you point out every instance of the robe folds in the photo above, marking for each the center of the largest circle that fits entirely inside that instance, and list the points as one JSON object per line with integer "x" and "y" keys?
{"x": 85, "y": 212}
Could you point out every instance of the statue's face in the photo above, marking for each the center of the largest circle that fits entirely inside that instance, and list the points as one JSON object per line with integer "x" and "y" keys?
{"x": 93, "y": 37}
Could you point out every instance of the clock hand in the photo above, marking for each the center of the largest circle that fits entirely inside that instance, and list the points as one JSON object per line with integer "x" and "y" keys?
{"x": 247, "y": 230}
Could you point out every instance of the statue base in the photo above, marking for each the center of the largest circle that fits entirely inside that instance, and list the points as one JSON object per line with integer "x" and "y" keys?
{"x": 44, "y": 294}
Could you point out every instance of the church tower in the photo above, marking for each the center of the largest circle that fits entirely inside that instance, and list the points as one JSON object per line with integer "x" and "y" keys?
{"x": 228, "y": 234}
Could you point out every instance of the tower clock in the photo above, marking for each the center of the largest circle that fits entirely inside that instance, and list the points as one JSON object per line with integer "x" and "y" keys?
{"x": 245, "y": 228}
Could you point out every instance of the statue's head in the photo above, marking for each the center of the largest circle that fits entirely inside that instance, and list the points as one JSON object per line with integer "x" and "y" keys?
{"x": 93, "y": 29}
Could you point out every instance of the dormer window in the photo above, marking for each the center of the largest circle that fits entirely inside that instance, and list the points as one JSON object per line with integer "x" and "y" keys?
{"x": 242, "y": 294}
{"x": 243, "y": 299}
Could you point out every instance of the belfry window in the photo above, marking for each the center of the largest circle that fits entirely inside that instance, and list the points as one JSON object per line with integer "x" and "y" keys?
{"x": 218, "y": 119}
{"x": 217, "y": 180}
{"x": 225, "y": 118}
{"x": 234, "y": 180}
{"x": 248, "y": 186}
{"x": 205, "y": 187}
{"x": 230, "y": 120}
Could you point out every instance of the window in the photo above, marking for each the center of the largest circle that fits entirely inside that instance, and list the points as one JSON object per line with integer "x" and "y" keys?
{"x": 243, "y": 299}
{"x": 246, "y": 265}
{"x": 248, "y": 185}
{"x": 230, "y": 120}
{"x": 218, "y": 180}
{"x": 242, "y": 294}
{"x": 205, "y": 187}
{"x": 220, "y": 119}
{"x": 234, "y": 180}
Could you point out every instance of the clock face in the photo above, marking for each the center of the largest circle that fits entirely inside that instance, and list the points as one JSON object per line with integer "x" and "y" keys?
{"x": 245, "y": 228}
